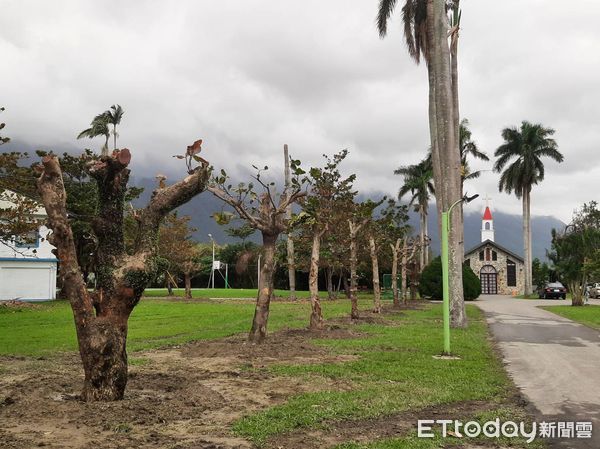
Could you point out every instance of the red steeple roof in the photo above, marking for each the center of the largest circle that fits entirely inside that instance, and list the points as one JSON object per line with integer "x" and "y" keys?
{"x": 487, "y": 215}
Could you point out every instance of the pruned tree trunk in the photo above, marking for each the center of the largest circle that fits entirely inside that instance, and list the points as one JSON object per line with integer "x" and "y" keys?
{"x": 316, "y": 316}
{"x": 101, "y": 317}
{"x": 188, "y": 285}
{"x": 347, "y": 290}
{"x": 258, "y": 332}
{"x": 403, "y": 270}
{"x": 354, "y": 314}
{"x": 339, "y": 282}
{"x": 329, "y": 278}
{"x": 395, "y": 249}
{"x": 290, "y": 242}
{"x": 375, "y": 267}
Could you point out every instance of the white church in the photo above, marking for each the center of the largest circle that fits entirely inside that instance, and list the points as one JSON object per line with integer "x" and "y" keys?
{"x": 27, "y": 264}
{"x": 499, "y": 270}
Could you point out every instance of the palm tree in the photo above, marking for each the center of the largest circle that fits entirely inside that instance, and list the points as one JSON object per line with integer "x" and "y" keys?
{"x": 98, "y": 127}
{"x": 468, "y": 147}
{"x": 418, "y": 181}
{"x": 114, "y": 116}
{"x": 527, "y": 146}
{"x": 426, "y": 35}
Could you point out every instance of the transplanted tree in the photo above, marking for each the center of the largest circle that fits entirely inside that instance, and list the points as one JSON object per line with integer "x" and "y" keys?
{"x": 329, "y": 192}
{"x": 177, "y": 247}
{"x": 576, "y": 251}
{"x": 418, "y": 181}
{"x": 267, "y": 214}
{"x": 525, "y": 147}
{"x": 427, "y": 27}
{"x": 101, "y": 316}
{"x": 362, "y": 215}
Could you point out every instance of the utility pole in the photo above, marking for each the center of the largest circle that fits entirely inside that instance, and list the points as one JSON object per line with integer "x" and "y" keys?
{"x": 290, "y": 241}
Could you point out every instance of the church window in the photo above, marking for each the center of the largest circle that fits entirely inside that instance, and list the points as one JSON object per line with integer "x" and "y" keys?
{"x": 487, "y": 226}
{"x": 511, "y": 273}
{"x": 488, "y": 254}
{"x": 494, "y": 255}
{"x": 480, "y": 255}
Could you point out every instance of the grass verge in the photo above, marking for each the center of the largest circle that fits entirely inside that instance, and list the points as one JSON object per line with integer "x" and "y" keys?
{"x": 395, "y": 372}
{"x": 588, "y": 315}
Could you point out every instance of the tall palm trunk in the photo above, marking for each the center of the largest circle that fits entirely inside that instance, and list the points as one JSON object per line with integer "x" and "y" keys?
{"x": 375, "y": 266}
{"x": 316, "y": 316}
{"x": 114, "y": 136}
{"x": 422, "y": 236}
{"x": 258, "y": 332}
{"x": 527, "y": 241}
{"x": 449, "y": 156}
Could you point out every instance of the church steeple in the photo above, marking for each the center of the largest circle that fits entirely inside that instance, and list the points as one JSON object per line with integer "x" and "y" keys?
{"x": 487, "y": 223}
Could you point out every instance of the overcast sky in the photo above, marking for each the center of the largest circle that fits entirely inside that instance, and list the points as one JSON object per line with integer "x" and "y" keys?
{"x": 248, "y": 76}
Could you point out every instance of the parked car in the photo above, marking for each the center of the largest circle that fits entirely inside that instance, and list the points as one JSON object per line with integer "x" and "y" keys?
{"x": 595, "y": 290}
{"x": 552, "y": 290}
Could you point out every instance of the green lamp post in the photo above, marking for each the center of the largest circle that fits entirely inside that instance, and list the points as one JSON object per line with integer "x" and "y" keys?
{"x": 445, "y": 273}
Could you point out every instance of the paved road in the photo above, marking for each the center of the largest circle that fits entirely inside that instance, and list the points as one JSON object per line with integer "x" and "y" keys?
{"x": 554, "y": 361}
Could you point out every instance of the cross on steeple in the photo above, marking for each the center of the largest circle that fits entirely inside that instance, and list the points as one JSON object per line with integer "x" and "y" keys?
{"x": 487, "y": 200}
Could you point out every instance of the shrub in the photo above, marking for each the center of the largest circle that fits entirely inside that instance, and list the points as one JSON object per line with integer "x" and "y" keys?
{"x": 430, "y": 285}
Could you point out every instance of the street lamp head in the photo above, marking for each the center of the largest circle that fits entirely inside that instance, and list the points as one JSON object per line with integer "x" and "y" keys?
{"x": 468, "y": 199}
{"x": 210, "y": 235}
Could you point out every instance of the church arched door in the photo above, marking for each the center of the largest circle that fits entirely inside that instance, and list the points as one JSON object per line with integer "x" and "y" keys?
{"x": 489, "y": 280}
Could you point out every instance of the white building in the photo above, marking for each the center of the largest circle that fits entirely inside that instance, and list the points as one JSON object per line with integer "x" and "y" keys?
{"x": 27, "y": 264}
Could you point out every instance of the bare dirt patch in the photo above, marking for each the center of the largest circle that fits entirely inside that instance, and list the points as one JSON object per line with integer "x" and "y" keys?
{"x": 183, "y": 397}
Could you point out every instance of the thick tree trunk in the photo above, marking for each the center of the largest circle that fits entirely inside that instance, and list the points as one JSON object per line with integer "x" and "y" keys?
{"x": 316, "y": 316}
{"x": 258, "y": 332}
{"x": 188, "y": 285}
{"x": 449, "y": 157}
{"x": 102, "y": 345}
{"x": 577, "y": 292}
{"x": 395, "y": 249}
{"x": 354, "y": 314}
{"x": 375, "y": 267}
{"x": 101, "y": 317}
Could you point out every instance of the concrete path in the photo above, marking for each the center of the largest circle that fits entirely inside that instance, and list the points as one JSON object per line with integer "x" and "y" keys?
{"x": 554, "y": 361}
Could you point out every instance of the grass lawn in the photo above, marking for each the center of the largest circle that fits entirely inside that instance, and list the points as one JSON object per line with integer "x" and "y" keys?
{"x": 394, "y": 372}
{"x": 588, "y": 315}
{"x": 154, "y": 323}
{"x": 222, "y": 293}
{"x": 391, "y": 368}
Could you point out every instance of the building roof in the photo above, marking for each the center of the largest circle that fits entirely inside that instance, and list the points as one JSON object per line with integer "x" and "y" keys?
{"x": 487, "y": 215}
{"x": 500, "y": 247}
